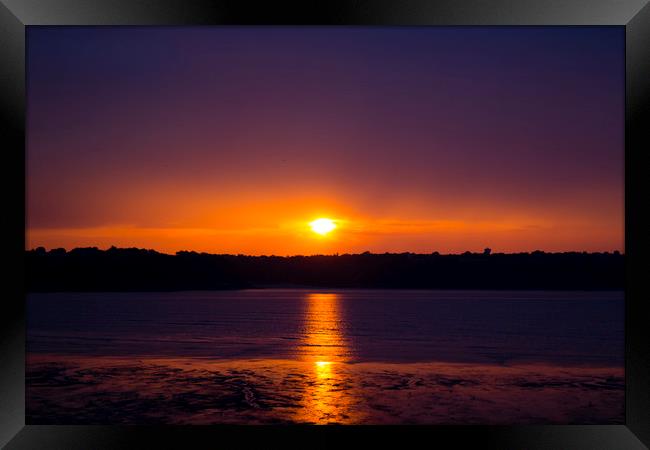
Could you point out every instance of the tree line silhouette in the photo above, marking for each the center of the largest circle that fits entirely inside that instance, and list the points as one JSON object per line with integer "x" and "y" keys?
{"x": 133, "y": 269}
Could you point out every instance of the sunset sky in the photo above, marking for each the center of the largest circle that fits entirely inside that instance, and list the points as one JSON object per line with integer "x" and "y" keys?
{"x": 234, "y": 139}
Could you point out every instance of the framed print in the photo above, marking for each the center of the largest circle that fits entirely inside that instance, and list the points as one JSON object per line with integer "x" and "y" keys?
{"x": 354, "y": 220}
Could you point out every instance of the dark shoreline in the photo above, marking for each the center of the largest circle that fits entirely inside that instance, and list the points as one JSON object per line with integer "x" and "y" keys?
{"x": 324, "y": 288}
{"x": 138, "y": 270}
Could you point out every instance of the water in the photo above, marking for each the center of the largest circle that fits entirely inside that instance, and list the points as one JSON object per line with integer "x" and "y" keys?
{"x": 326, "y": 356}
{"x": 350, "y": 325}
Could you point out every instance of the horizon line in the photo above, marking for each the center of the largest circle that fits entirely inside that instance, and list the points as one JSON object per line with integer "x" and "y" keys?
{"x": 367, "y": 252}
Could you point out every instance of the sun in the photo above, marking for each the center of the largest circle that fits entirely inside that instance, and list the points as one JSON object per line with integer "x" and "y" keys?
{"x": 322, "y": 226}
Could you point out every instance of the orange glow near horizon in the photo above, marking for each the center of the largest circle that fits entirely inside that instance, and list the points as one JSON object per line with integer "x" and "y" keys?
{"x": 283, "y": 227}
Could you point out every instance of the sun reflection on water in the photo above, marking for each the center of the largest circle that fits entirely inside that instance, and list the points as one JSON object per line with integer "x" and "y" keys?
{"x": 326, "y": 349}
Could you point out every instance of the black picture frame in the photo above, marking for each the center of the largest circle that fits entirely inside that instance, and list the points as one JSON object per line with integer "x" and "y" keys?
{"x": 16, "y": 15}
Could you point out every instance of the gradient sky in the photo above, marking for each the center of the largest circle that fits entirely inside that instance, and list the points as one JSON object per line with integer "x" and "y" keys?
{"x": 232, "y": 139}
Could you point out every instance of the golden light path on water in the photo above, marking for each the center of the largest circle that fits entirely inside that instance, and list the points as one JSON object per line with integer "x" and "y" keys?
{"x": 326, "y": 348}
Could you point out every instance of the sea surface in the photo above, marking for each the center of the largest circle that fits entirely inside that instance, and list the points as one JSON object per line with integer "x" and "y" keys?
{"x": 275, "y": 356}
